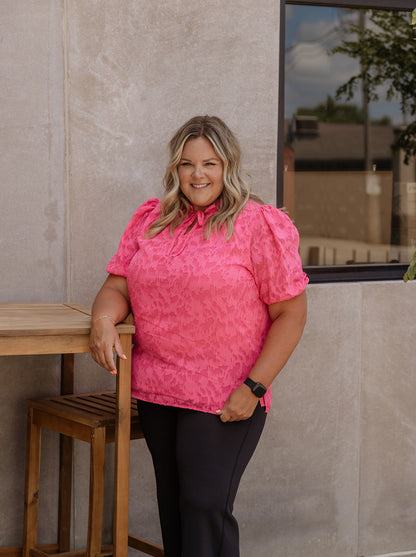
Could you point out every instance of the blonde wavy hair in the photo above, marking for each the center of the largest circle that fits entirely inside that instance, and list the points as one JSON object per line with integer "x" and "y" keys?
{"x": 235, "y": 194}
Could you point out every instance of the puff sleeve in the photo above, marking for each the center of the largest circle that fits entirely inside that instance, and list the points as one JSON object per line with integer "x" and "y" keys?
{"x": 143, "y": 217}
{"x": 277, "y": 267}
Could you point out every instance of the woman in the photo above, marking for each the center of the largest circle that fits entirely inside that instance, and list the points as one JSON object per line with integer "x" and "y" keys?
{"x": 215, "y": 284}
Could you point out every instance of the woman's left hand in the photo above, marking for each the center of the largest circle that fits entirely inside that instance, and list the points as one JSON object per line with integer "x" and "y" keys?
{"x": 240, "y": 405}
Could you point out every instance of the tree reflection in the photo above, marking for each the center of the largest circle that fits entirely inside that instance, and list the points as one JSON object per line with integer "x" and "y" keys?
{"x": 386, "y": 51}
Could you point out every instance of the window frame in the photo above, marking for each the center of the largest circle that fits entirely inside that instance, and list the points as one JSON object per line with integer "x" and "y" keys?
{"x": 331, "y": 273}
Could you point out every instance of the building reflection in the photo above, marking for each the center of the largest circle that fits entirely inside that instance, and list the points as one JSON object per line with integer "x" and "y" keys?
{"x": 347, "y": 214}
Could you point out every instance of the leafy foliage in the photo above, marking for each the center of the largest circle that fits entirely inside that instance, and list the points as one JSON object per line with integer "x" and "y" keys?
{"x": 411, "y": 270}
{"x": 386, "y": 50}
{"x": 340, "y": 113}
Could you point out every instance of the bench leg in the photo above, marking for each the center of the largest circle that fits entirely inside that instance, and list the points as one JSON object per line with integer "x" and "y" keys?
{"x": 65, "y": 462}
{"x": 65, "y": 493}
{"x": 32, "y": 472}
{"x": 96, "y": 502}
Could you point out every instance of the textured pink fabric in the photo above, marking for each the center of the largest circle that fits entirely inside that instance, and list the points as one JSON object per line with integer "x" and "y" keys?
{"x": 200, "y": 306}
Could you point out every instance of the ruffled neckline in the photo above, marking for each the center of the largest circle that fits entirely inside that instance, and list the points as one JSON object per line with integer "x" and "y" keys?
{"x": 192, "y": 224}
{"x": 202, "y": 215}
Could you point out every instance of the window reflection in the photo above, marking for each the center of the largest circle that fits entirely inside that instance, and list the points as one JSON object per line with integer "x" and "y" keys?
{"x": 350, "y": 194}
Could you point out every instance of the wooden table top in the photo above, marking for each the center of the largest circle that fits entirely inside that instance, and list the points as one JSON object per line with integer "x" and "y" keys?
{"x": 47, "y": 329}
{"x": 48, "y": 319}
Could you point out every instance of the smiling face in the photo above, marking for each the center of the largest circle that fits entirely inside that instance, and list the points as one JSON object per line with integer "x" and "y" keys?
{"x": 200, "y": 173}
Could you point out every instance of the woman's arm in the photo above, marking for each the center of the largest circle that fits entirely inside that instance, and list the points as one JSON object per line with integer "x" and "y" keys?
{"x": 289, "y": 318}
{"x": 110, "y": 307}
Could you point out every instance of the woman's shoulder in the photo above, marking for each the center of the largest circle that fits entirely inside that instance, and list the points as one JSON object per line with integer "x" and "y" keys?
{"x": 150, "y": 206}
{"x": 143, "y": 217}
{"x": 261, "y": 214}
{"x": 147, "y": 212}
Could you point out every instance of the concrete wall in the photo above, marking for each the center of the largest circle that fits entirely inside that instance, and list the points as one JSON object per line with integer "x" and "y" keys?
{"x": 91, "y": 93}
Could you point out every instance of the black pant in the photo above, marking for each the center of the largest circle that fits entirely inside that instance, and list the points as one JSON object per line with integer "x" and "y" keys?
{"x": 198, "y": 462}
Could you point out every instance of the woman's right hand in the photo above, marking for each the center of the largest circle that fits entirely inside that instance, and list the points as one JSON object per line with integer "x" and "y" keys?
{"x": 110, "y": 306}
{"x": 104, "y": 341}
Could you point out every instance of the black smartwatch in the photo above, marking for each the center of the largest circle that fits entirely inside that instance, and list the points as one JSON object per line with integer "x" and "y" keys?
{"x": 257, "y": 389}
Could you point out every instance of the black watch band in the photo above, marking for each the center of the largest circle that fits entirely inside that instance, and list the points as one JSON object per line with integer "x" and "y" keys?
{"x": 257, "y": 389}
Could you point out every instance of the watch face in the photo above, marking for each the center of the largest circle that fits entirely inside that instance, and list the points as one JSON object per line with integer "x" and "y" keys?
{"x": 259, "y": 390}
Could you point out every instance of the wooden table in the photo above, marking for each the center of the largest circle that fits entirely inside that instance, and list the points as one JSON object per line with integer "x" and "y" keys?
{"x": 64, "y": 329}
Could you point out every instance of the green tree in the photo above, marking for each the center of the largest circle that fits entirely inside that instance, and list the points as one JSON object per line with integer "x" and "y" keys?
{"x": 386, "y": 50}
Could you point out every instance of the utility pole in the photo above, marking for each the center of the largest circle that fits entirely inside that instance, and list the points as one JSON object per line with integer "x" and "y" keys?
{"x": 372, "y": 181}
{"x": 364, "y": 91}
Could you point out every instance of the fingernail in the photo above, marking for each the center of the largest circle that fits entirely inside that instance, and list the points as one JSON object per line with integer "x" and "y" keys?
{"x": 124, "y": 357}
{"x": 113, "y": 372}
{"x": 218, "y": 411}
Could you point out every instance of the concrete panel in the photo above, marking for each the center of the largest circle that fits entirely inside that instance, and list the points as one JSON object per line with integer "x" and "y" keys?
{"x": 32, "y": 173}
{"x": 299, "y": 495}
{"x": 26, "y": 377}
{"x": 32, "y": 235}
{"x": 388, "y": 446}
{"x": 136, "y": 74}
{"x": 143, "y": 516}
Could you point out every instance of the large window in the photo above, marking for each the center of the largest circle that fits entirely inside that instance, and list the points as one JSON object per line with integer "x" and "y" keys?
{"x": 347, "y": 161}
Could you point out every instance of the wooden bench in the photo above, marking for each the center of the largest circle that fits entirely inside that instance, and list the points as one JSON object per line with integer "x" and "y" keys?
{"x": 91, "y": 418}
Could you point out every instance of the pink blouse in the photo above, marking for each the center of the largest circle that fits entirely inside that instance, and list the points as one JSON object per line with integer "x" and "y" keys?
{"x": 200, "y": 306}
